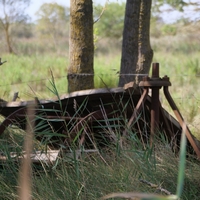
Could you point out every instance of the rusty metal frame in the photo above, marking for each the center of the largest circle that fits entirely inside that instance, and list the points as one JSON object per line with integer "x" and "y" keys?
{"x": 156, "y": 83}
{"x": 181, "y": 121}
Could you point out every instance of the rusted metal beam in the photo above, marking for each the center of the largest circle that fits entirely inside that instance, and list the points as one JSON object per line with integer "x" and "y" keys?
{"x": 155, "y": 103}
{"x": 154, "y": 83}
{"x": 138, "y": 106}
{"x": 136, "y": 112}
{"x": 181, "y": 120}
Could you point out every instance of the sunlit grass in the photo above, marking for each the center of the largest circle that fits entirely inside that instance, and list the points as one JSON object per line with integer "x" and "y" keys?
{"x": 106, "y": 69}
{"x": 30, "y": 75}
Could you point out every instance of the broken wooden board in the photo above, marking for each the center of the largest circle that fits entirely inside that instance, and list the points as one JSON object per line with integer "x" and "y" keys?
{"x": 49, "y": 156}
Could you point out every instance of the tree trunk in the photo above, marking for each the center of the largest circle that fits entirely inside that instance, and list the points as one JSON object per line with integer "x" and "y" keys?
{"x": 136, "y": 50}
{"x": 7, "y": 35}
{"x": 81, "y": 53}
{"x": 130, "y": 42}
{"x": 145, "y": 52}
{"x": 10, "y": 50}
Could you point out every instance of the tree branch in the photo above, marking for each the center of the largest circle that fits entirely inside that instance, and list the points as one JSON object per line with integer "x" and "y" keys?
{"x": 104, "y": 8}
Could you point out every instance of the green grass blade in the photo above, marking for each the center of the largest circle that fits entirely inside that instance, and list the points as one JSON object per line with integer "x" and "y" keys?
{"x": 181, "y": 173}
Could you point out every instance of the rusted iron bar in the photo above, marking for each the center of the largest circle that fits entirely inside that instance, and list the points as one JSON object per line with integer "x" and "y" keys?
{"x": 95, "y": 115}
{"x": 136, "y": 112}
{"x": 180, "y": 119}
{"x": 155, "y": 102}
{"x": 138, "y": 106}
{"x": 154, "y": 83}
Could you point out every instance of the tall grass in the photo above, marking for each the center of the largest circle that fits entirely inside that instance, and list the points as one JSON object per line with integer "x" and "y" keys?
{"x": 111, "y": 169}
{"x": 30, "y": 76}
{"x": 90, "y": 177}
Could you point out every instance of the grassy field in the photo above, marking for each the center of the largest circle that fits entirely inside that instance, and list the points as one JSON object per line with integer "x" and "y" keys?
{"x": 112, "y": 169}
{"x": 94, "y": 175}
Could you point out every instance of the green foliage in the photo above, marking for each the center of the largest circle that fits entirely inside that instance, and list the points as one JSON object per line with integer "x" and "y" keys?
{"x": 112, "y": 21}
{"x": 22, "y": 30}
{"x": 155, "y": 27}
{"x": 51, "y": 20}
{"x": 96, "y": 34}
{"x": 168, "y": 29}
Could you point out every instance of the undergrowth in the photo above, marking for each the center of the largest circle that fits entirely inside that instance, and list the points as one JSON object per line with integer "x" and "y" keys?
{"x": 110, "y": 171}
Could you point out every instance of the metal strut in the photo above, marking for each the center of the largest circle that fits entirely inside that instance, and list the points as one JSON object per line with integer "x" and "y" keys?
{"x": 155, "y": 83}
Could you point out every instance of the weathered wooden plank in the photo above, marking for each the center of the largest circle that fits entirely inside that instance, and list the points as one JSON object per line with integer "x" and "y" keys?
{"x": 49, "y": 156}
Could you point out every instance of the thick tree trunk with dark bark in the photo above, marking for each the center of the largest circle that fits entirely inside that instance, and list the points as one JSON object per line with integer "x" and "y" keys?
{"x": 136, "y": 50}
{"x": 130, "y": 42}
{"x": 80, "y": 70}
{"x": 145, "y": 53}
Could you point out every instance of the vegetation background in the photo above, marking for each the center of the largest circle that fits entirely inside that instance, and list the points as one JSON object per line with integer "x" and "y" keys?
{"x": 42, "y": 47}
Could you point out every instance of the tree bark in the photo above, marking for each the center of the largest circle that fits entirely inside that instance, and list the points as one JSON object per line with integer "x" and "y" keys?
{"x": 81, "y": 53}
{"x": 145, "y": 53}
{"x": 136, "y": 50}
{"x": 10, "y": 50}
{"x": 130, "y": 42}
{"x": 6, "y": 27}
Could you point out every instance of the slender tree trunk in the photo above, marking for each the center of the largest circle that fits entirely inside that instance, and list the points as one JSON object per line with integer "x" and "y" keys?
{"x": 145, "y": 52}
{"x": 130, "y": 42}
{"x": 81, "y": 53}
{"x": 10, "y": 50}
{"x": 8, "y": 40}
